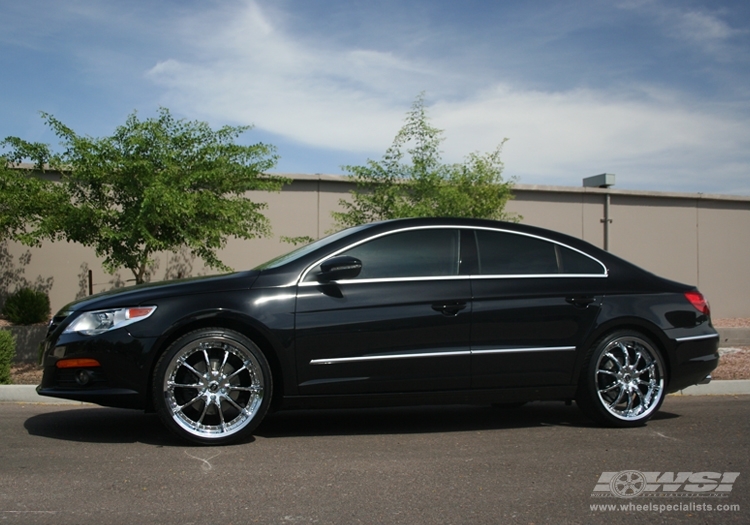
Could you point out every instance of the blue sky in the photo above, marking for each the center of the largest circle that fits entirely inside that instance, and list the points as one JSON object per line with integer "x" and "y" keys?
{"x": 655, "y": 91}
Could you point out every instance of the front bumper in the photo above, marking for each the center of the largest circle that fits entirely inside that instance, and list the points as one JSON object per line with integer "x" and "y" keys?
{"x": 121, "y": 379}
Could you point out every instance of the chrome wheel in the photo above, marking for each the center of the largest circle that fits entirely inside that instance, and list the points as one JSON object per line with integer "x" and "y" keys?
{"x": 629, "y": 378}
{"x": 623, "y": 382}
{"x": 213, "y": 386}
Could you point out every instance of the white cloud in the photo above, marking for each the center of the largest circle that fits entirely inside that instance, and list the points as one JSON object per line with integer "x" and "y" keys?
{"x": 568, "y": 135}
{"x": 253, "y": 71}
{"x": 703, "y": 27}
{"x": 700, "y": 28}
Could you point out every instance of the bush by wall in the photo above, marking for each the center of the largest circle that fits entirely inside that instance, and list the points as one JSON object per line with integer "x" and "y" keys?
{"x": 27, "y": 306}
{"x": 7, "y": 354}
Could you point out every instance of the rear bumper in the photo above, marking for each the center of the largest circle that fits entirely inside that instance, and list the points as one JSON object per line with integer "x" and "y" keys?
{"x": 694, "y": 360}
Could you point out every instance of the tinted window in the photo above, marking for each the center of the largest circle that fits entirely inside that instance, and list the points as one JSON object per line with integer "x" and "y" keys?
{"x": 412, "y": 253}
{"x": 502, "y": 253}
{"x": 574, "y": 262}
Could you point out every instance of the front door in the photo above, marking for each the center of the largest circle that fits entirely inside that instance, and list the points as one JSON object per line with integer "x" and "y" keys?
{"x": 402, "y": 325}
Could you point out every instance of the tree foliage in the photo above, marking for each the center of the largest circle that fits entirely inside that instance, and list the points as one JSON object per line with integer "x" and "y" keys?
{"x": 158, "y": 184}
{"x": 23, "y": 199}
{"x": 412, "y": 181}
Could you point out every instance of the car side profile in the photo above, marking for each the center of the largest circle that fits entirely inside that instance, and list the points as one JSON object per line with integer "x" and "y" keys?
{"x": 402, "y": 312}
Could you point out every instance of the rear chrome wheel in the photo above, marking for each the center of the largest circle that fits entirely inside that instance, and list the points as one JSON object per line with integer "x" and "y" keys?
{"x": 212, "y": 386}
{"x": 623, "y": 381}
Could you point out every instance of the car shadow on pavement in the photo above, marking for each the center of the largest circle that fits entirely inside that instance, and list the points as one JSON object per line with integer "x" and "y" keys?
{"x": 109, "y": 425}
{"x": 423, "y": 419}
{"x": 102, "y": 425}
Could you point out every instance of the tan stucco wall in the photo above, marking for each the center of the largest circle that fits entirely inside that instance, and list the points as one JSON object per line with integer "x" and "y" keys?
{"x": 697, "y": 239}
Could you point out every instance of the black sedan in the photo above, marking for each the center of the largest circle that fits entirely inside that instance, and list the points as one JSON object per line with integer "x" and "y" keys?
{"x": 404, "y": 312}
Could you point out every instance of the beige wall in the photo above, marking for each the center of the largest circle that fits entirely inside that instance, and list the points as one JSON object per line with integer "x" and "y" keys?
{"x": 697, "y": 239}
{"x": 723, "y": 256}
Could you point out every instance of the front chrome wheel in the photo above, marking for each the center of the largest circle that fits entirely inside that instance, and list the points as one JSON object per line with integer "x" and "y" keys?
{"x": 212, "y": 386}
{"x": 623, "y": 383}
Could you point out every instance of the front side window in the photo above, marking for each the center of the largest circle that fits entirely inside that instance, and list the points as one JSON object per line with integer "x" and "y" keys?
{"x": 413, "y": 253}
{"x": 505, "y": 253}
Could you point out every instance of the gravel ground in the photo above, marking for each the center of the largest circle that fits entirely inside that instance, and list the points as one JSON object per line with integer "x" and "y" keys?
{"x": 732, "y": 322}
{"x": 734, "y": 363}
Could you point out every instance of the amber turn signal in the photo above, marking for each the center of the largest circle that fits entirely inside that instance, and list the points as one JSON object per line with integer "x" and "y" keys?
{"x": 77, "y": 363}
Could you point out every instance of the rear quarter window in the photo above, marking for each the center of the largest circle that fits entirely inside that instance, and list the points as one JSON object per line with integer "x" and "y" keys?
{"x": 507, "y": 253}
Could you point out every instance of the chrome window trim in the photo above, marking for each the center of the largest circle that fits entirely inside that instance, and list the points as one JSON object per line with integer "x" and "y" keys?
{"x": 449, "y": 353}
{"x": 459, "y": 277}
{"x": 695, "y": 337}
{"x": 393, "y": 280}
{"x": 300, "y": 280}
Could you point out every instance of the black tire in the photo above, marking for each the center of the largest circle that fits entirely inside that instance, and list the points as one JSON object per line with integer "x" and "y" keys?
{"x": 623, "y": 380}
{"x": 212, "y": 386}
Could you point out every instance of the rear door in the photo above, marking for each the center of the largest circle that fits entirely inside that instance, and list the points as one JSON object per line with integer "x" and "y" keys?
{"x": 534, "y": 302}
{"x": 402, "y": 325}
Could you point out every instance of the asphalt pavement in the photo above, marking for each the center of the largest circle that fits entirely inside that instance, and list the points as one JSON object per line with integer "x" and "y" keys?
{"x": 66, "y": 464}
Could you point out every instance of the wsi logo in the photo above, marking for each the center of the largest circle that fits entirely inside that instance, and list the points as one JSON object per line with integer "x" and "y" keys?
{"x": 633, "y": 483}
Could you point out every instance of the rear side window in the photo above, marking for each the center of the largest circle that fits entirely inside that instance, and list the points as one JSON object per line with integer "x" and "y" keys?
{"x": 574, "y": 262}
{"x": 504, "y": 253}
{"x": 414, "y": 253}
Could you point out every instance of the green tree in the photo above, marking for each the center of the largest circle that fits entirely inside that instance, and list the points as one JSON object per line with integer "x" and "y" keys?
{"x": 155, "y": 185}
{"x": 24, "y": 199}
{"x": 412, "y": 181}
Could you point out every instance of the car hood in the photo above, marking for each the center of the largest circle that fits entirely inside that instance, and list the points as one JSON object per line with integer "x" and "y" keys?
{"x": 143, "y": 293}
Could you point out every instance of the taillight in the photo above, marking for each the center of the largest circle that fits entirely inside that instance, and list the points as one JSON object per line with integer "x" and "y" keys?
{"x": 699, "y": 302}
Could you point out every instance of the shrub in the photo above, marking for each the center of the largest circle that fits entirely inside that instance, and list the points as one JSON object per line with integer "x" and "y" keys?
{"x": 7, "y": 353}
{"x": 27, "y": 306}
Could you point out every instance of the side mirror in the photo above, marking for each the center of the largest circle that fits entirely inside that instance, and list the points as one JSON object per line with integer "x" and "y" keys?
{"x": 339, "y": 267}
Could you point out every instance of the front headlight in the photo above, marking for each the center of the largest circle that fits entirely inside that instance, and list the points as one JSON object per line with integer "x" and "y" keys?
{"x": 100, "y": 321}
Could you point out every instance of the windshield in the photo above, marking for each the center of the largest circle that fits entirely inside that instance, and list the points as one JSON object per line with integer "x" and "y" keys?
{"x": 304, "y": 250}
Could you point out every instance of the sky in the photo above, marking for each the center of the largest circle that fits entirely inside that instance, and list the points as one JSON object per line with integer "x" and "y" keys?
{"x": 656, "y": 92}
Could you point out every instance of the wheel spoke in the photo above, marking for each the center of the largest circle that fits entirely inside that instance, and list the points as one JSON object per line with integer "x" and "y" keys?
{"x": 224, "y": 362}
{"x": 649, "y": 369}
{"x": 608, "y": 389}
{"x": 629, "y": 406}
{"x": 643, "y": 402}
{"x": 234, "y": 374}
{"x": 180, "y": 408}
{"x": 172, "y": 385}
{"x": 233, "y": 403}
{"x": 619, "y": 397}
{"x": 203, "y": 414}
{"x": 614, "y": 360}
{"x": 625, "y": 353}
{"x": 192, "y": 370}
{"x": 223, "y": 423}
{"x": 254, "y": 389}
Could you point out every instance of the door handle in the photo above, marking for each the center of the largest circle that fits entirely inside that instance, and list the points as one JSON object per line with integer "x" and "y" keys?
{"x": 449, "y": 309}
{"x": 580, "y": 301}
